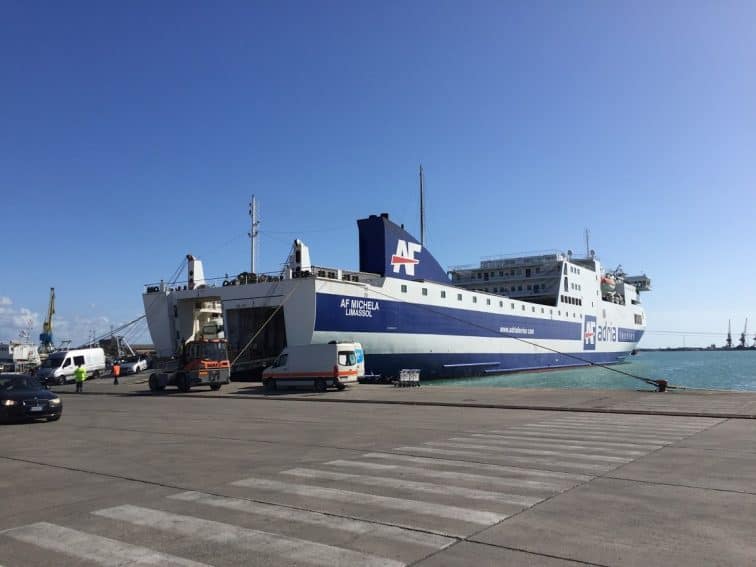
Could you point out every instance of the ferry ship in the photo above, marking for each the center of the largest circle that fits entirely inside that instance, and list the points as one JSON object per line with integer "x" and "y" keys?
{"x": 508, "y": 314}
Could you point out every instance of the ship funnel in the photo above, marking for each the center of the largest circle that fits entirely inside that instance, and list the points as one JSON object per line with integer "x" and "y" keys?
{"x": 389, "y": 250}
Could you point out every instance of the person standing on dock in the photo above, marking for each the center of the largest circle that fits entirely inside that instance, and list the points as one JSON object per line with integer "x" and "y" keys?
{"x": 80, "y": 374}
{"x": 116, "y": 372}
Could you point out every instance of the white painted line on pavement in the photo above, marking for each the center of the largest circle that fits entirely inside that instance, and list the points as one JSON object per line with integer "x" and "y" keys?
{"x": 533, "y": 437}
{"x": 535, "y": 452}
{"x": 90, "y": 547}
{"x": 499, "y": 469}
{"x": 526, "y": 460}
{"x": 349, "y": 497}
{"x": 455, "y": 475}
{"x": 585, "y": 436}
{"x": 316, "y": 519}
{"x": 291, "y": 549}
{"x": 429, "y": 488}
{"x": 548, "y": 446}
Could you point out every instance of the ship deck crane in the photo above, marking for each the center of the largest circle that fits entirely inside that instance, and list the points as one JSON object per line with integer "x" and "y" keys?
{"x": 46, "y": 336}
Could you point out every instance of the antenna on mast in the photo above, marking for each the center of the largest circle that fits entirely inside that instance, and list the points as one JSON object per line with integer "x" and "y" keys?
{"x": 422, "y": 207}
{"x": 253, "y": 233}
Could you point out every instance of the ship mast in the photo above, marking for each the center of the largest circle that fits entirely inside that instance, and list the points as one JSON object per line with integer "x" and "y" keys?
{"x": 422, "y": 207}
{"x": 254, "y": 223}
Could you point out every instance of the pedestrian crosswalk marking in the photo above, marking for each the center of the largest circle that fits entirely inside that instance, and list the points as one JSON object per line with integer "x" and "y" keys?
{"x": 551, "y": 445}
{"x": 454, "y": 475}
{"x": 511, "y": 458}
{"x": 526, "y": 451}
{"x": 419, "y": 507}
{"x": 500, "y": 469}
{"x": 316, "y": 518}
{"x": 401, "y": 483}
{"x": 94, "y": 548}
{"x": 583, "y": 435}
{"x": 531, "y": 438}
{"x": 289, "y": 548}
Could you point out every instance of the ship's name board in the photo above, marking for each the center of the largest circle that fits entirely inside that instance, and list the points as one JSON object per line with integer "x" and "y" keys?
{"x": 359, "y": 307}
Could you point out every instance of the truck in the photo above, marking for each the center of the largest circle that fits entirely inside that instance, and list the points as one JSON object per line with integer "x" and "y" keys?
{"x": 202, "y": 362}
{"x": 60, "y": 365}
{"x": 335, "y": 364}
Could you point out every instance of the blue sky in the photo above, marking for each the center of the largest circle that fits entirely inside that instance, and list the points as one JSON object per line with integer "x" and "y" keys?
{"x": 134, "y": 133}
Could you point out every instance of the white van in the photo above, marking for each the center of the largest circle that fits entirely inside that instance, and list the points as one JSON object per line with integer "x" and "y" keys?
{"x": 59, "y": 366}
{"x": 319, "y": 366}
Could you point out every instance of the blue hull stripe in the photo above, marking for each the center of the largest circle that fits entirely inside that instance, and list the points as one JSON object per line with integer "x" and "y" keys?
{"x": 352, "y": 314}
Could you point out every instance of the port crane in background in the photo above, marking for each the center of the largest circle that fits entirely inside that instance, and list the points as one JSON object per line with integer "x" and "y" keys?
{"x": 728, "y": 342}
{"x": 46, "y": 336}
{"x": 743, "y": 339}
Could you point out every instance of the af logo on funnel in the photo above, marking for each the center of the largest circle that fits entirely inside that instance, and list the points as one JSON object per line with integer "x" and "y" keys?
{"x": 405, "y": 256}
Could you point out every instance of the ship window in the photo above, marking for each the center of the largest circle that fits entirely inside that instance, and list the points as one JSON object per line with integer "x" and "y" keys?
{"x": 523, "y": 308}
{"x": 603, "y": 313}
{"x": 566, "y": 285}
{"x": 501, "y": 274}
{"x": 565, "y": 269}
{"x": 404, "y": 288}
{"x": 533, "y": 309}
{"x": 488, "y": 301}
{"x": 559, "y": 313}
{"x": 443, "y": 294}
{"x": 530, "y": 287}
{"x": 535, "y": 287}
{"x": 480, "y": 275}
{"x": 519, "y": 288}
{"x": 475, "y": 299}
{"x": 501, "y": 304}
{"x": 542, "y": 310}
{"x": 425, "y": 291}
{"x": 459, "y": 297}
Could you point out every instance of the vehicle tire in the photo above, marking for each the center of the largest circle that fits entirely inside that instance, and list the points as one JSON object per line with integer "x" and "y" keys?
{"x": 96, "y": 374}
{"x": 155, "y": 383}
{"x": 340, "y": 386}
{"x": 61, "y": 381}
{"x": 182, "y": 381}
{"x": 53, "y": 418}
{"x": 270, "y": 385}
{"x": 215, "y": 387}
{"x": 320, "y": 385}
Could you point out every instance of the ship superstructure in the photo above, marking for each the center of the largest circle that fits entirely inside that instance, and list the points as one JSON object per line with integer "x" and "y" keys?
{"x": 531, "y": 312}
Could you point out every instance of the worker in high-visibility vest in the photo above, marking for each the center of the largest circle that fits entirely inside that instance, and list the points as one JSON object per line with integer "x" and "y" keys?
{"x": 116, "y": 371}
{"x": 80, "y": 374}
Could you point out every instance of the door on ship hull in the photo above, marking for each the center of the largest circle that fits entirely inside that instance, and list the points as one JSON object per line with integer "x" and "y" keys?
{"x": 241, "y": 326}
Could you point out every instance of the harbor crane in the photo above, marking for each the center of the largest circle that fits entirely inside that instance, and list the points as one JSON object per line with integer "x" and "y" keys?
{"x": 46, "y": 336}
{"x": 728, "y": 344}
{"x": 743, "y": 336}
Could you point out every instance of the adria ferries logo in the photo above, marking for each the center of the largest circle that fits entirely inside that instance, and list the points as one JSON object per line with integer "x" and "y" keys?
{"x": 589, "y": 333}
{"x": 405, "y": 256}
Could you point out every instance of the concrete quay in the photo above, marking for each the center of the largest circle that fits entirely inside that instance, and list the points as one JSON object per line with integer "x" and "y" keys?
{"x": 377, "y": 475}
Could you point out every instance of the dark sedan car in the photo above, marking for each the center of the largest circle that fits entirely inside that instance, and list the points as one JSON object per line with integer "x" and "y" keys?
{"x": 23, "y": 397}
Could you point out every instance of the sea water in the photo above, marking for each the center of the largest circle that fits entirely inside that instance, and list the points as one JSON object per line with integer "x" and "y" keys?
{"x": 714, "y": 370}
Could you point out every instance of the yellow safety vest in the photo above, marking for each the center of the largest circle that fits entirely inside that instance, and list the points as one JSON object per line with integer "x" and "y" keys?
{"x": 80, "y": 374}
